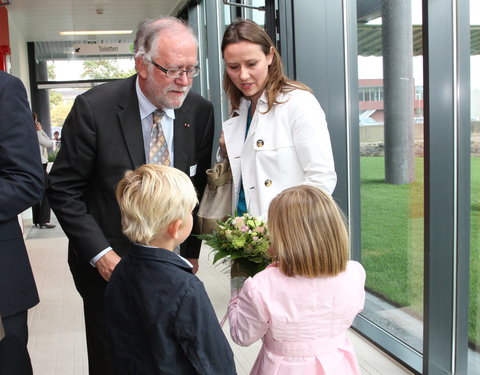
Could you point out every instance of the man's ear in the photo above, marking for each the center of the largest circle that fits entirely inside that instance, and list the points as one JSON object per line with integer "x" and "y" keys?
{"x": 174, "y": 227}
{"x": 141, "y": 66}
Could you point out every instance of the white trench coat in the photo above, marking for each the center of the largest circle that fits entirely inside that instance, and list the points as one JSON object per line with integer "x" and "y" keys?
{"x": 288, "y": 146}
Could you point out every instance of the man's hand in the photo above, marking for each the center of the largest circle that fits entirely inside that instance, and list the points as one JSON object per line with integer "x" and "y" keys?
{"x": 194, "y": 264}
{"x": 107, "y": 263}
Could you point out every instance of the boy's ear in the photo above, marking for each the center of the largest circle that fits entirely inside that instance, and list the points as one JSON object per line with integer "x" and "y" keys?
{"x": 173, "y": 228}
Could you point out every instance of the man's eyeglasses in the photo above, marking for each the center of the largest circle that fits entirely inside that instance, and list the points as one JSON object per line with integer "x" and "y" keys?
{"x": 177, "y": 73}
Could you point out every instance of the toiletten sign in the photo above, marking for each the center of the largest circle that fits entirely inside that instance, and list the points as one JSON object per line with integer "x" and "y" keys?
{"x": 103, "y": 49}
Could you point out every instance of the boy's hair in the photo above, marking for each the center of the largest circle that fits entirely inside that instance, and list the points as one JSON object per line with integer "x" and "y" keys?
{"x": 150, "y": 198}
{"x": 308, "y": 233}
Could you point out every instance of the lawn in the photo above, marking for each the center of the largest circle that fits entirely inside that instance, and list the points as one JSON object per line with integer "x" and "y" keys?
{"x": 392, "y": 239}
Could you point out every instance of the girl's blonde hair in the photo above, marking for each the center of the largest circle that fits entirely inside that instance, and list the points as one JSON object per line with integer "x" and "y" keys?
{"x": 246, "y": 30}
{"x": 308, "y": 233}
{"x": 150, "y": 198}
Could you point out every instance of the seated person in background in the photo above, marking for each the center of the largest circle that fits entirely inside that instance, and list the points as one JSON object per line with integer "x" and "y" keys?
{"x": 160, "y": 319}
{"x": 302, "y": 305}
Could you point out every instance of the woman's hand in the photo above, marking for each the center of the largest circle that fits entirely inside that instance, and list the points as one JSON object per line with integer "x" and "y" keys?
{"x": 38, "y": 126}
{"x": 223, "y": 148}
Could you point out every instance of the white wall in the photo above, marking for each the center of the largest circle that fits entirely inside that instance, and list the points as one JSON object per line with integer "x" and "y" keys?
{"x": 19, "y": 55}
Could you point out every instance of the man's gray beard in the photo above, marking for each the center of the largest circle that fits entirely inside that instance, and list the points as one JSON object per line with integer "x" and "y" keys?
{"x": 166, "y": 104}
{"x": 160, "y": 102}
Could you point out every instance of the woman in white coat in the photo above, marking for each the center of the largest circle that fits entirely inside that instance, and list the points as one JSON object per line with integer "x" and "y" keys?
{"x": 277, "y": 137}
{"x": 41, "y": 211}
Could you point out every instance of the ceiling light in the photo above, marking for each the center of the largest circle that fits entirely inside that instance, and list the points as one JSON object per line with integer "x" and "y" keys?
{"x": 96, "y": 32}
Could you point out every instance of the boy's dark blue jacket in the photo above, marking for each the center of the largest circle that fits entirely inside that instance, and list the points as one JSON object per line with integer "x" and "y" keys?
{"x": 161, "y": 320}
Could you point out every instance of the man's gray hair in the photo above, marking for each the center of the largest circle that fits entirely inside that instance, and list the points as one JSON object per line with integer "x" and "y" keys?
{"x": 150, "y": 29}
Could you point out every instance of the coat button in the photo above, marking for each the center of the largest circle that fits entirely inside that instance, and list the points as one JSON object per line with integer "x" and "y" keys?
{"x": 260, "y": 143}
{"x": 268, "y": 183}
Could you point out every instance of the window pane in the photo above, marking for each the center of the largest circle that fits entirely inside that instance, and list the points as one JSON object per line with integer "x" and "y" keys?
{"x": 474, "y": 313}
{"x": 95, "y": 69}
{"x": 391, "y": 142}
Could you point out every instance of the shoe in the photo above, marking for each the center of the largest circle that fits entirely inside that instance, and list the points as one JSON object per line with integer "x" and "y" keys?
{"x": 46, "y": 225}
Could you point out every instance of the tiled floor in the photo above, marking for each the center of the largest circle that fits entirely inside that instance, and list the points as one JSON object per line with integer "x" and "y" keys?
{"x": 57, "y": 343}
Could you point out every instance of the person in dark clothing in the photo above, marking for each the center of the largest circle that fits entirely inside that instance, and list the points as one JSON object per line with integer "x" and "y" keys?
{"x": 159, "y": 317}
{"x": 109, "y": 131}
{"x": 21, "y": 185}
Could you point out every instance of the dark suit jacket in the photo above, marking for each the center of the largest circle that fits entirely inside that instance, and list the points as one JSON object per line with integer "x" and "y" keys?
{"x": 160, "y": 318}
{"x": 101, "y": 139}
{"x": 21, "y": 186}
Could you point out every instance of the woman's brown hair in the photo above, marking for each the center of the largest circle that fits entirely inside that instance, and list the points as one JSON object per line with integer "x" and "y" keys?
{"x": 308, "y": 233}
{"x": 246, "y": 30}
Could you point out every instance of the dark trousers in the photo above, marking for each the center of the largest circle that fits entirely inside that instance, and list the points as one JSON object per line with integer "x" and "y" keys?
{"x": 41, "y": 211}
{"x": 14, "y": 358}
{"x": 98, "y": 347}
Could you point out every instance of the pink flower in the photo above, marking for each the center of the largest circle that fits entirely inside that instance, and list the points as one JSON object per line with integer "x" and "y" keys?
{"x": 239, "y": 223}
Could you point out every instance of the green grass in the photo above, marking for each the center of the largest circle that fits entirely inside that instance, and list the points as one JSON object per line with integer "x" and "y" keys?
{"x": 53, "y": 154}
{"x": 392, "y": 239}
{"x": 474, "y": 312}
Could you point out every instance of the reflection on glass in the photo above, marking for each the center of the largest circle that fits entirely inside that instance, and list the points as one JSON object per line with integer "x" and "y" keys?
{"x": 250, "y": 11}
{"x": 391, "y": 136}
{"x": 474, "y": 312}
{"x": 83, "y": 69}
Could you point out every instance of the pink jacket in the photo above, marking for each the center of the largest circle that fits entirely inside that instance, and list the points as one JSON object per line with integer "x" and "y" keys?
{"x": 302, "y": 322}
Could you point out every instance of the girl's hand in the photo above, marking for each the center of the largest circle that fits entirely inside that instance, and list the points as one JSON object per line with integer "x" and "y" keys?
{"x": 223, "y": 148}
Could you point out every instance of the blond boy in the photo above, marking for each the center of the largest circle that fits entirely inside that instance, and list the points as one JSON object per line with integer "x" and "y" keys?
{"x": 160, "y": 319}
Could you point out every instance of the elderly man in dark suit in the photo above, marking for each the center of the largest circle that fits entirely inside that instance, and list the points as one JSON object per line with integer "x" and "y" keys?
{"x": 21, "y": 186}
{"x": 107, "y": 132}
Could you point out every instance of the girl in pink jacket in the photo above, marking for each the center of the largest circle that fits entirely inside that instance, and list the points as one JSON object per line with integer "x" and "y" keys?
{"x": 302, "y": 305}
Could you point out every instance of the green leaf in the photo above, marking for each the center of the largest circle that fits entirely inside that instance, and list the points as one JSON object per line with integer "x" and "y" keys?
{"x": 220, "y": 255}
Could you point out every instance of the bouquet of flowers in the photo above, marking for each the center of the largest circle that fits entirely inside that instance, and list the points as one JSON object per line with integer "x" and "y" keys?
{"x": 243, "y": 240}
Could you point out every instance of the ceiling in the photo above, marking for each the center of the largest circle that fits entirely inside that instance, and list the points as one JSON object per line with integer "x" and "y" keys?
{"x": 42, "y": 20}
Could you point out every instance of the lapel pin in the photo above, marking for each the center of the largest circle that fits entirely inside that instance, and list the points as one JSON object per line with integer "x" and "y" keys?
{"x": 186, "y": 125}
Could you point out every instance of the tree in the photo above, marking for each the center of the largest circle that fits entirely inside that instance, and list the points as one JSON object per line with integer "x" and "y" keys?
{"x": 51, "y": 72}
{"x": 55, "y": 98}
{"x": 104, "y": 69}
{"x": 59, "y": 112}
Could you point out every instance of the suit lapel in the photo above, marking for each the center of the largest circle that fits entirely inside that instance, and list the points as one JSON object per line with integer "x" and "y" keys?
{"x": 129, "y": 117}
{"x": 183, "y": 137}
